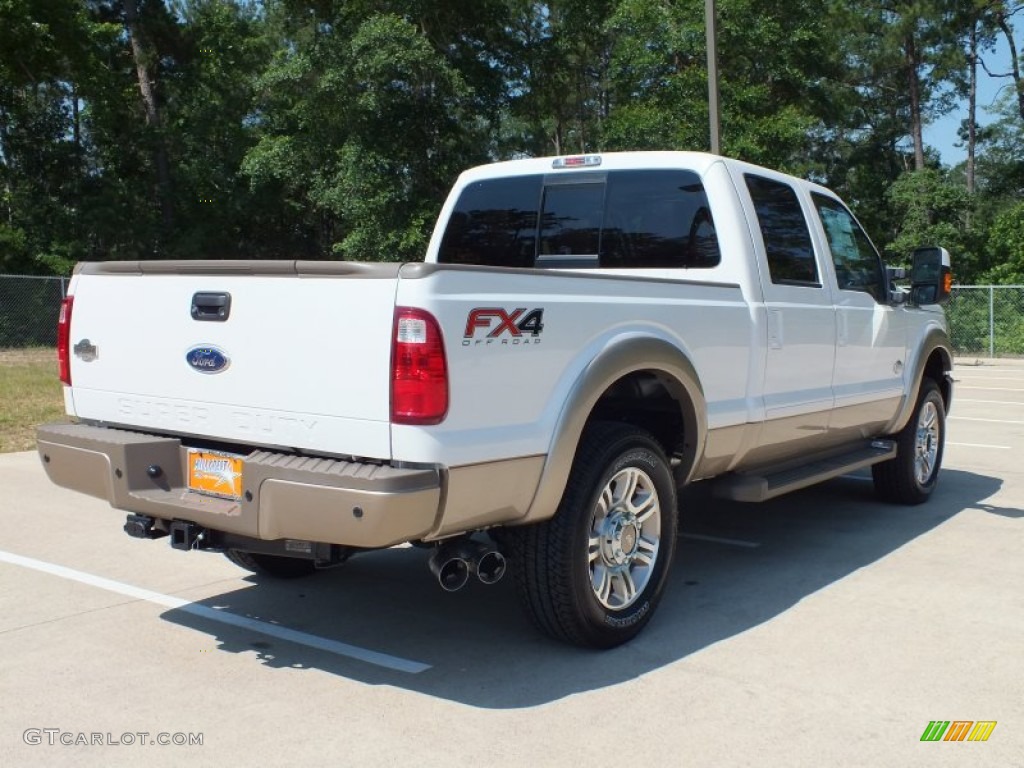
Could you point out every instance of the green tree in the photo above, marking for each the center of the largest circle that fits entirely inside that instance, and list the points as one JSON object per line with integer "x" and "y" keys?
{"x": 327, "y": 128}
{"x": 932, "y": 210}
{"x": 558, "y": 96}
{"x": 657, "y": 77}
{"x": 223, "y": 46}
{"x": 998, "y": 15}
{"x": 365, "y": 125}
{"x": 1006, "y": 247}
{"x": 42, "y": 146}
{"x": 779, "y": 69}
{"x": 1001, "y": 165}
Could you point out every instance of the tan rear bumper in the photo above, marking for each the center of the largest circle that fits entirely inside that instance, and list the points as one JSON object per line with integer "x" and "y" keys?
{"x": 285, "y": 496}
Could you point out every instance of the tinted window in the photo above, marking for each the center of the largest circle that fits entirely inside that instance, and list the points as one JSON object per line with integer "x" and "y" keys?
{"x": 571, "y": 223}
{"x": 858, "y": 265}
{"x": 658, "y": 219}
{"x": 787, "y": 241}
{"x": 494, "y": 223}
{"x": 618, "y": 219}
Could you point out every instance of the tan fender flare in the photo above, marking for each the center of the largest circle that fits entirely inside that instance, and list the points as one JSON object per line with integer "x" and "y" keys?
{"x": 936, "y": 340}
{"x": 618, "y": 359}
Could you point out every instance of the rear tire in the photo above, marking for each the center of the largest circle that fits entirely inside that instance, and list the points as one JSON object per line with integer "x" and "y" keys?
{"x": 912, "y": 475}
{"x": 271, "y": 565}
{"x": 593, "y": 574}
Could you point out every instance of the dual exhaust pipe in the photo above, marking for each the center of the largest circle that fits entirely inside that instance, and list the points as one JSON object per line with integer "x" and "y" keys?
{"x": 454, "y": 562}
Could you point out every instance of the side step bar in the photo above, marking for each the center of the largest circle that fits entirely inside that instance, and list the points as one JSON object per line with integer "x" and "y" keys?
{"x": 771, "y": 482}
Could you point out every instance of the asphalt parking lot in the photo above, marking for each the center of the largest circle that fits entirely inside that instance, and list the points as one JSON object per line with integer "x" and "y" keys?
{"x": 820, "y": 629}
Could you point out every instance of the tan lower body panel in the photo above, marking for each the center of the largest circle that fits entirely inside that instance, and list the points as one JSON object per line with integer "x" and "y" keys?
{"x": 747, "y": 446}
{"x": 296, "y": 510}
{"x": 723, "y": 447}
{"x": 481, "y": 495}
{"x": 285, "y": 496}
{"x": 864, "y": 419}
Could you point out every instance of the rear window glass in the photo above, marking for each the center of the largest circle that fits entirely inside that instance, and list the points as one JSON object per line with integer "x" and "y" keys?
{"x": 787, "y": 240}
{"x": 618, "y": 219}
{"x": 658, "y": 219}
{"x": 494, "y": 223}
{"x": 571, "y": 225}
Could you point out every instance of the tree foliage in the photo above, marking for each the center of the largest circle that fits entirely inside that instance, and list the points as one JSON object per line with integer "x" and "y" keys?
{"x": 333, "y": 128}
{"x": 929, "y": 208}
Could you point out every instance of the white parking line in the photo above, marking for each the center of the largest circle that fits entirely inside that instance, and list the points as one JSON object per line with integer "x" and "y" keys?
{"x": 989, "y": 389}
{"x": 989, "y": 421}
{"x": 720, "y": 540}
{"x": 264, "y": 628}
{"x": 957, "y": 377}
{"x": 991, "y": 402}
{"x": 979, "y": 370}
{"x": 980, "y": 445}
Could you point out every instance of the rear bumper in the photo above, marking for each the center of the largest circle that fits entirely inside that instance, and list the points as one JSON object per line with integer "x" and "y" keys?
{"x": 286, "y": 496}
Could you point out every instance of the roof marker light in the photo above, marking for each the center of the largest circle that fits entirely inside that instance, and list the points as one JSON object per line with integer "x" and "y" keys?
{"x": 577, "y": 161}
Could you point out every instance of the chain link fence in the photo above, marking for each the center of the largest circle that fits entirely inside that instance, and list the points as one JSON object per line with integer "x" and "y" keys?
{"x": 985, "y": 320}
{"x": 28, "y": 310}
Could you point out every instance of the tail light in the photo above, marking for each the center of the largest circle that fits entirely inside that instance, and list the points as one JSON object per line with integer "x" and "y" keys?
{"x": 419, "y": 370}
{"x": 64, "y": 340}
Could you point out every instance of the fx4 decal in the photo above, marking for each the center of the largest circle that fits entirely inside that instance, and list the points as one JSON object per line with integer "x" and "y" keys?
{"x": 491, "y": 325}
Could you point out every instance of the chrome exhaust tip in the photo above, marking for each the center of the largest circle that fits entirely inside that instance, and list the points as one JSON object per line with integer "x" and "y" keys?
{"x": 490, "y": 566}
{"x": 452, "y": 573}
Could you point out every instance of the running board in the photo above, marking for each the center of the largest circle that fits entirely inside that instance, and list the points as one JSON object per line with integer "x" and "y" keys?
{"x": 769, "y": 483}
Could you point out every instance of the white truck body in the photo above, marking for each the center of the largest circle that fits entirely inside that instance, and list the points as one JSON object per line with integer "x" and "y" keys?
{"x": 741, "y": 374}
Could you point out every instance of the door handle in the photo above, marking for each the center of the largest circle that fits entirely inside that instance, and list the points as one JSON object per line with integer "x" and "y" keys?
{"x": 211, "y": 307}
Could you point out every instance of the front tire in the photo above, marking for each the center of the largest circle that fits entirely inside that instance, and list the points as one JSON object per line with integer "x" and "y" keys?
{"x": 912, "y": 475}
{"x": 271, "y": 565}
{"x": 593, "y": 574}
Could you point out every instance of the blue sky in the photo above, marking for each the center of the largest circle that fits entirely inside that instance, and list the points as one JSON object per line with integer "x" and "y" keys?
{"x": 942, "y": 134}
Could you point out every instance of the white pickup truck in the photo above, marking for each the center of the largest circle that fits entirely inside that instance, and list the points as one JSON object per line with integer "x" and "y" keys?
{"x": 585, "y": 335}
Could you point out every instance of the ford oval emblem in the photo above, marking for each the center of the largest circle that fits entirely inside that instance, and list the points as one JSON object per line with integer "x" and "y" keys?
{"x": 207, "y": 359}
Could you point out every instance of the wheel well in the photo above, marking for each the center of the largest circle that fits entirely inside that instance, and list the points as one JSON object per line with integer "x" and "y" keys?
{"x": 652, "y": 401}
{"x": 936, "y": 368}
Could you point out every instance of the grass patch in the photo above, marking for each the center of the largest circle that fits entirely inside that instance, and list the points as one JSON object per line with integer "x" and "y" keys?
{"x": 30, "y": 395}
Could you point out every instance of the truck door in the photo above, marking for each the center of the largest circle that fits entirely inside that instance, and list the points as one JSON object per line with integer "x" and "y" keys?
{"x": 871, "y": 334}
{"x": 800, "y": 318}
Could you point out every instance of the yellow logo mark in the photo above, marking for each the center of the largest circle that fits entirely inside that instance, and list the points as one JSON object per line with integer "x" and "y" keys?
{"x": 982, "y": 730}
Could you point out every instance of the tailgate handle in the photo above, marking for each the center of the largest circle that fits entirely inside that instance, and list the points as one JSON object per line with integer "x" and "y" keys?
{"x": 213, "y": 307}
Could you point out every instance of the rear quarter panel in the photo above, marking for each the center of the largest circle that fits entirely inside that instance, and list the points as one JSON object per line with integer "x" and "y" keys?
{"x": 507, "y": 392}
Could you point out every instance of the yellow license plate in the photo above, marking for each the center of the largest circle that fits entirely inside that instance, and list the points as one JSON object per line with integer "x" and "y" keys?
{"x": 215, "y": 474}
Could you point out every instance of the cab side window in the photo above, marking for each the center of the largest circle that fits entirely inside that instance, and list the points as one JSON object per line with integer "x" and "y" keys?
{"x": 857, "y": 263}
{"x": 787, "y": 240}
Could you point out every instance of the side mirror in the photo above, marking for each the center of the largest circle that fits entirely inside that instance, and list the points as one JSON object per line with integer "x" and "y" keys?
{"x": 931, "y": 276}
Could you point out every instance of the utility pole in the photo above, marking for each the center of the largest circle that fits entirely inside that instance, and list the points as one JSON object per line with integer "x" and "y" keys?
{"x": 715, "y": 120}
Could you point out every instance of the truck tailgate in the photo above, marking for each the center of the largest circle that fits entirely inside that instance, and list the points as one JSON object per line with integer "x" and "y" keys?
{"x": 301, "y": 361}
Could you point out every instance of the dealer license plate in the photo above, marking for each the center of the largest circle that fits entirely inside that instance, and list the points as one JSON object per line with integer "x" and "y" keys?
{"x": 215, "y": 474}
